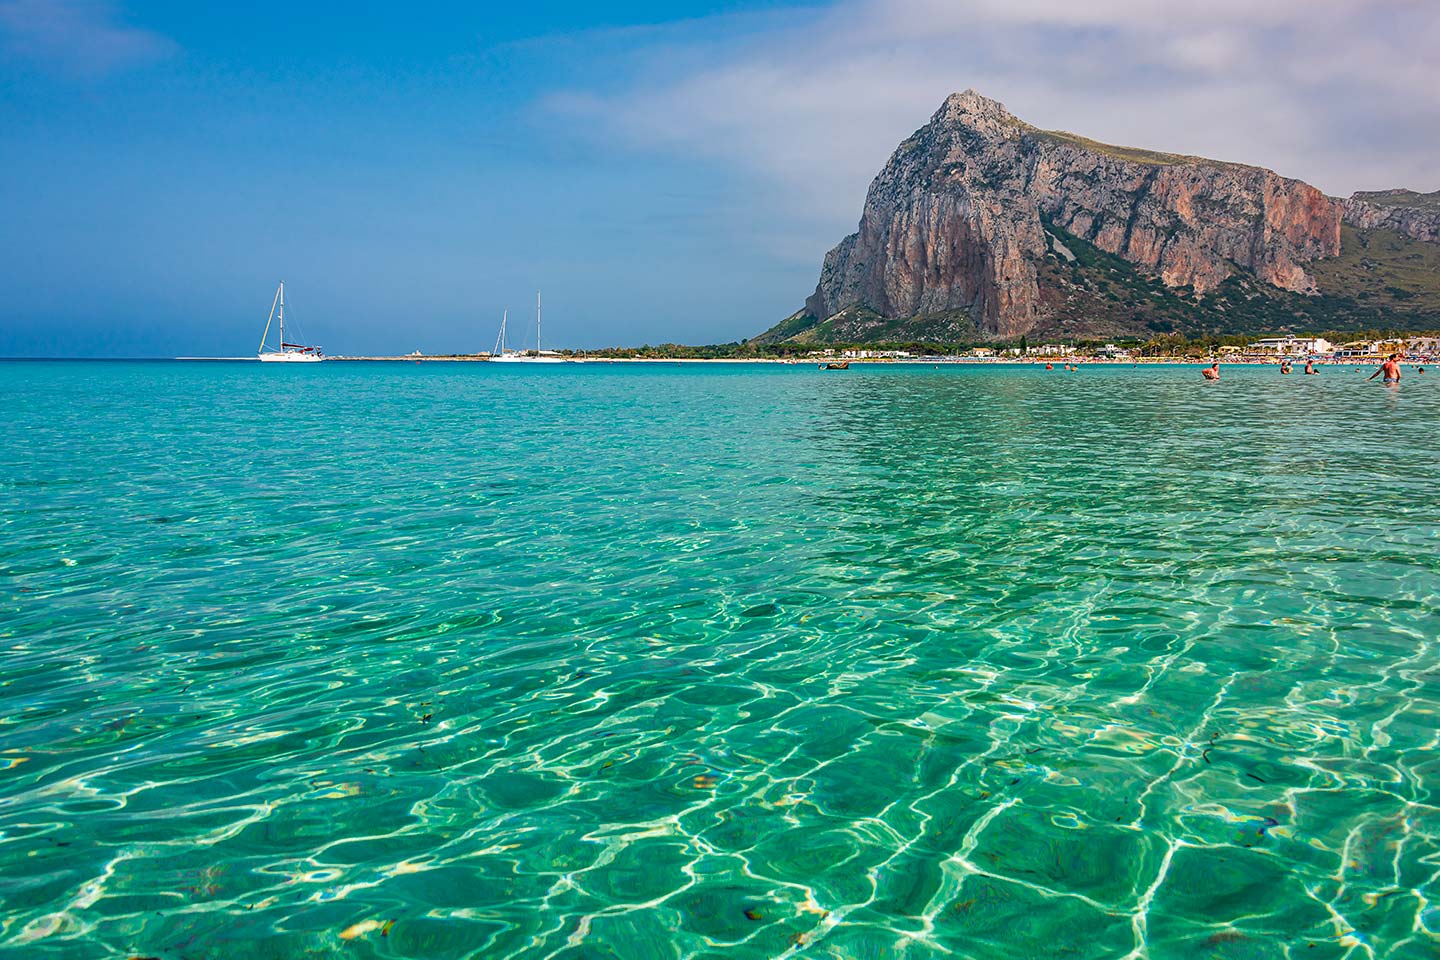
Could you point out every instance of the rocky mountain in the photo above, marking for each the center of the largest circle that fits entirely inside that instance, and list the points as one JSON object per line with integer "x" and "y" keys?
{"x": 982, "y": 225}
{"x": 1415, "y": 215}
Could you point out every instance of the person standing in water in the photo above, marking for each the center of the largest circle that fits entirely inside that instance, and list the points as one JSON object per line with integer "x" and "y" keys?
{"x": 1310, "y": 366}
{"x": 1391, "y": 369}
{"x": 1211, "y": 372}
{"x": 1284, "y": 366}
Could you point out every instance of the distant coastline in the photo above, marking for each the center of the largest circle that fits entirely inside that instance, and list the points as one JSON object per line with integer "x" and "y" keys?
{"x": 1414, "y": 347}
{"x": 863, "y": 361}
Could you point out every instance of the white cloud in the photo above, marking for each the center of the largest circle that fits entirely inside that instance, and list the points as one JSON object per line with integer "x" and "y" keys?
{"x": 1344, "y": 93}
{"x": 83, "y": 37}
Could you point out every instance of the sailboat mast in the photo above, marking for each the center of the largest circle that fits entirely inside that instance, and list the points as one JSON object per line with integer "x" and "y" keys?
{"x": 281, "y": 317}
{"x": 537, "y": 322}
{"x": 269, "y": 320}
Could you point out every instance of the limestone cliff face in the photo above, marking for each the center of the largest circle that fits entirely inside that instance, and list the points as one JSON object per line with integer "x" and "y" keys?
{"x": 1415, "y": 215}
{"x": 955, "y": 220}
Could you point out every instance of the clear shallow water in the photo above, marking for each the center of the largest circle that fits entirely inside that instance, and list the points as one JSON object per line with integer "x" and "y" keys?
{"x": 721, "y": 661}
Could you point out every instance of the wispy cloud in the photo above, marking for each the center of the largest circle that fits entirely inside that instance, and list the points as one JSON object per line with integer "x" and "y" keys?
{"x": 1345, "y": 93}
{"x": 79, "y": 37}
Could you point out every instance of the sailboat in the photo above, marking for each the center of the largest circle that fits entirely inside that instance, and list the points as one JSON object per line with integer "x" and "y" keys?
{"x": 502, "y": 354}
{"x": 288, "y": 352}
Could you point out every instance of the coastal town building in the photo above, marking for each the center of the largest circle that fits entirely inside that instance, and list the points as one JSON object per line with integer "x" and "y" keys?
{"x": 1291, "y": 346}
{"x": 859, "y": 355}
{"x": 1355, "y": 350}
{"x": 1372, "y": 349}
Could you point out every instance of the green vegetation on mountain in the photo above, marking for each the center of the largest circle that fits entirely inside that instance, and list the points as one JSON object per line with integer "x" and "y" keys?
{"x": 1380, "y": 280}
{"x": 1385, "y": 270}
{"x": 1133, "y": 154}
{"x": 863, "y": 325}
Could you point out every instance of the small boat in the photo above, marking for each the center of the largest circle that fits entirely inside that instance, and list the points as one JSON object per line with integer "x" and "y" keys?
{"x": 502, "y": 354}
{"x": 836, "y": 365}
{"x": 288, "y": 352}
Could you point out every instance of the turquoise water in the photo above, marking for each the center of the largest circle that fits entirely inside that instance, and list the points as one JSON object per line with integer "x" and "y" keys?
{"x": 438, "y": 660}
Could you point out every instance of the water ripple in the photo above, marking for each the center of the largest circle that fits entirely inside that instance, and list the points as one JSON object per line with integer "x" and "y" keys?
{"x": 421, "y": 661}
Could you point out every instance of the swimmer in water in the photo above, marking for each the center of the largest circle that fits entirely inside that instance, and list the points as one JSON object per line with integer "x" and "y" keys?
{"x": 1391, "y": 369}
{"x": 1211, "y": 372}
{"x": 1285, "y": 366}
{"x": 1310, "y": 367}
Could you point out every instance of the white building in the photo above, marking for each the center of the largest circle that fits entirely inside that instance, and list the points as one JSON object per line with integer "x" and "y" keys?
{"x": 1291, "y": 346}
{"x": 1355, "y": 350}
{"x": 1374, "y": 349}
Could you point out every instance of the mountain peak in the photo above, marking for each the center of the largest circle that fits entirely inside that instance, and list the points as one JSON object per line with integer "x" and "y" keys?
{"x": 971, "y": 106}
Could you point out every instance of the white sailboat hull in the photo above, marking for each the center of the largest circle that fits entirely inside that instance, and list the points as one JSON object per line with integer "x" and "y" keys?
{"x": 520, "y": 358}
{"x": 289, "y": 358}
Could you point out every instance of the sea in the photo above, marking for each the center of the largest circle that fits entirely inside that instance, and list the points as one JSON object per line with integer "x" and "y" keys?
{"x": 432, "y": 660}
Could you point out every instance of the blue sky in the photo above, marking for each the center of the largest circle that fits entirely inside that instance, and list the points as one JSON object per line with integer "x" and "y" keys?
{"x": 663, "y": 171}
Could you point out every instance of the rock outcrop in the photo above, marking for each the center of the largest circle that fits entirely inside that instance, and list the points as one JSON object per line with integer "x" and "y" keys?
{"x": 957, "y": 220}
{"x": 1415, "y": 215}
